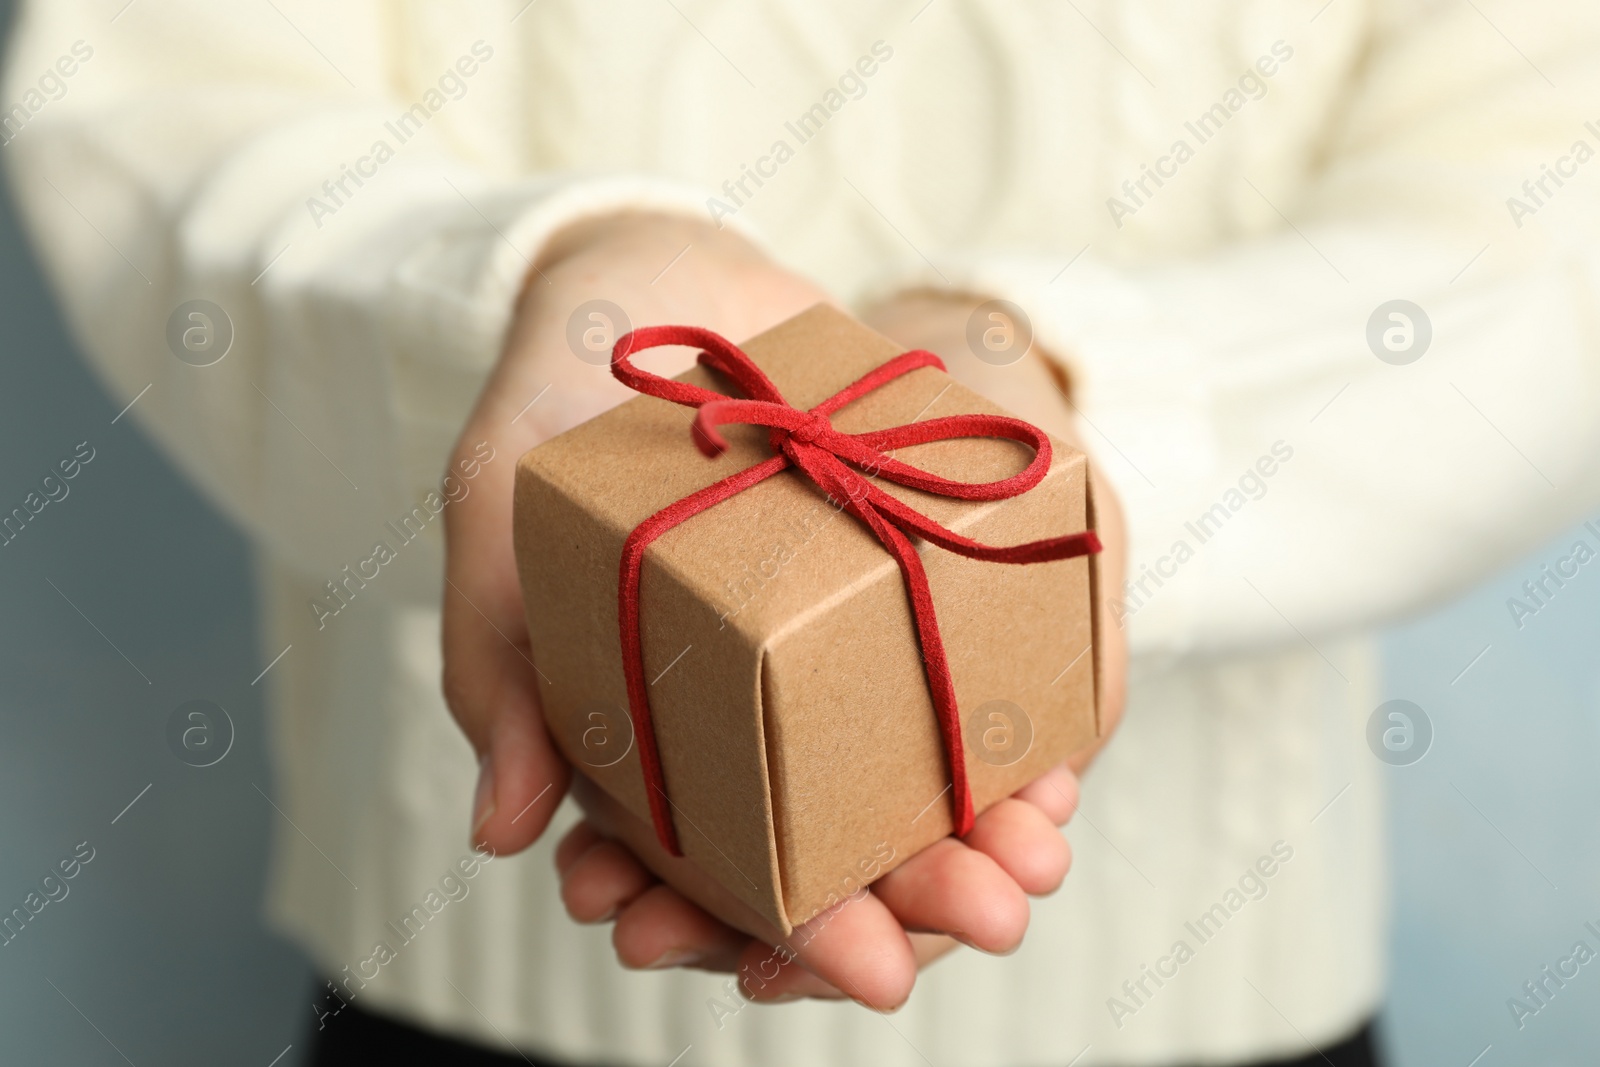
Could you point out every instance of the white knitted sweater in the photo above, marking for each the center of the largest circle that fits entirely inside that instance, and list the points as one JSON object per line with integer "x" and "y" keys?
{"x": 1201, "y": 204}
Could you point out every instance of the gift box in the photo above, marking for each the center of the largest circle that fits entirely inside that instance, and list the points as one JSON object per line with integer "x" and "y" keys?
{"x": 759, "y": 688}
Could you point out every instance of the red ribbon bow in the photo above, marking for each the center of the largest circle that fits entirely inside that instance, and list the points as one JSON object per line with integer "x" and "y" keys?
{"x": 808, "y": 441}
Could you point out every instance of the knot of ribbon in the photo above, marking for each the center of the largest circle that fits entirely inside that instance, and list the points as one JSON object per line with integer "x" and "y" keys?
{"x": 839, "y": 464}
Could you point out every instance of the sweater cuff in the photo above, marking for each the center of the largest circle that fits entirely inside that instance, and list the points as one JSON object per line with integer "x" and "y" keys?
{"x": 453, "y": 295}
{"x": 450, "y": 300}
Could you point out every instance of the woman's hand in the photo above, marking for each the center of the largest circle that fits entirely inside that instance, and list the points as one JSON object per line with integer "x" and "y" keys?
{"x": 657, "y": 269}
{"x": 870, "y": 947}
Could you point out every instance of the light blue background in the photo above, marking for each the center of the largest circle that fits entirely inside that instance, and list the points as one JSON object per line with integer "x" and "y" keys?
{"x": 1518, "y": 736}
{"x": 159, "y": 944}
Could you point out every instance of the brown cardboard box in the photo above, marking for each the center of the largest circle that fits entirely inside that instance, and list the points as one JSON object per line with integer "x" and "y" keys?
{"x": 797, "y": 737}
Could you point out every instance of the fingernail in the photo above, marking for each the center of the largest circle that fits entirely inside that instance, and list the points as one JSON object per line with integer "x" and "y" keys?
{"x": 610, "y": 914}
{"x": 965, "y": 940}
{"x": 673, "y": 957}
{"x": 880, "y": 1011}
{"x": 483, "y": 799}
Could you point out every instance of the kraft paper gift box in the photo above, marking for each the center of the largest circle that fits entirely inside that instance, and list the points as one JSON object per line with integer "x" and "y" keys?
{"x": 797, "y": 738}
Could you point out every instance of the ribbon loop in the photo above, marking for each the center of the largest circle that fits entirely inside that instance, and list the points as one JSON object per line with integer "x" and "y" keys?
{"x": 842, "y": 465}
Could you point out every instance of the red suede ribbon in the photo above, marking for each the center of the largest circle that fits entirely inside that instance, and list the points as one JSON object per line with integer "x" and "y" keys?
{"x": 807, "y": 440}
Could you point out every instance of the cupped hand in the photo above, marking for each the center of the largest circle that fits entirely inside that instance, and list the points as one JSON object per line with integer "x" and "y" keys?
{"x": 870, "y": 946}
{"x": 971, "y": 891}
{"x": 664, "y": 270}
{"x": 656, "y": 269}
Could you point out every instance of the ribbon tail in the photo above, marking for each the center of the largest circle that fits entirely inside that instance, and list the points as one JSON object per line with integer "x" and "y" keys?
{"x": 859, "y": 497}
{"x": 937, "y": 668}
{"x": 629, "y": 622}
{"x": 935, "y": 665}
{"x": 638, "y": 695}
{"x": 1067, "y": 546}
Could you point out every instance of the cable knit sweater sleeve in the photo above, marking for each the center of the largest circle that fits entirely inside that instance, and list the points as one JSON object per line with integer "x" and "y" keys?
{"x": 1284, "y": 477}
{"x": 364, "y": 234}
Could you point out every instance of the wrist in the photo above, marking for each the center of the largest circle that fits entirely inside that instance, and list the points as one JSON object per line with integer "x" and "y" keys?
{"x": 940, "y": 320}
{"x": 653, "y": 268}
{"x": 716, "y": 276}
{"x": 639, "y": 239}
{"x": 923, "y": 318}
{"x": 599, "y": 231}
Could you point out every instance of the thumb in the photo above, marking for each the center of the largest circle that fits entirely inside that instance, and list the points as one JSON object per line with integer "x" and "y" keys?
{"x": 492, "y": 687}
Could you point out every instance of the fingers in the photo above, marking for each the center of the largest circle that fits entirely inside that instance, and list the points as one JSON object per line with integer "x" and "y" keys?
{"x": 529, "y": 779}
{"x": 489, "y": 680}
{"x": 953, "y": 889}
{"x": 522, "y": 777}
{"x": 858, "y": 948}
{"x": 973, "y": 890}
{"x": 1023, "y": 841}
{"x": 491, "y": 687}
{"x": 577, "y": 841}
{"x": 1055, "y": 793}
{"x": 656, "y": 926}
{"x": 599, "y": 877}
{"x": 660, "y": 928}
{"x": 773, "y": 975}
